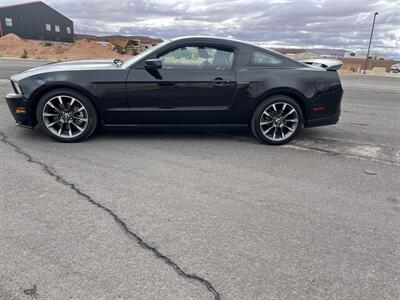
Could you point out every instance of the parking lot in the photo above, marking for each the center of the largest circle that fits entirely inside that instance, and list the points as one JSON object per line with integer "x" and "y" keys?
{"x": 205, "y": 214}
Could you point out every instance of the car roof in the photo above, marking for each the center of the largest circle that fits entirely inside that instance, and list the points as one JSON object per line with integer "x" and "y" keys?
{"x": 212, "y": 39}
{"x": 205, "y": 37}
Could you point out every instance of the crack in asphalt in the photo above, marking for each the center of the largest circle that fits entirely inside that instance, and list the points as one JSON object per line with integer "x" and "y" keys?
{"x": 132, "y": 235}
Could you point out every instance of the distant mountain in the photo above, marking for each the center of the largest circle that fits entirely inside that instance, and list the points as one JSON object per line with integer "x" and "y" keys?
{"x": 334, "y": 52}
{"x": 289, "y": 50}
{"x": 108, "y": 38}
{"x": 320, "y": 51}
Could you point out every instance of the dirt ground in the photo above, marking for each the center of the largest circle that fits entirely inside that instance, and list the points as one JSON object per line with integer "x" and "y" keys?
{"x": 13, "y": 46}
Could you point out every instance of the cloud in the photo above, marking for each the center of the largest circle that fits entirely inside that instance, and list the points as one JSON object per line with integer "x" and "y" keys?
{"x": 325, "y": 23}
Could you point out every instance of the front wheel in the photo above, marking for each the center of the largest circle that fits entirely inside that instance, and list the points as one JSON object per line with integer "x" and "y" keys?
{"x": 66, "y": 115}
{"x": 277, "y": 120}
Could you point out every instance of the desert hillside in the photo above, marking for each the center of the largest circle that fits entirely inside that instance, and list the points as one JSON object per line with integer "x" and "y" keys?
{"x": 110, "y": 38}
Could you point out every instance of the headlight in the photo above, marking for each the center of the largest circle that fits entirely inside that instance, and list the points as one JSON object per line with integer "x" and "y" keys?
{"x": 16, "y": 87}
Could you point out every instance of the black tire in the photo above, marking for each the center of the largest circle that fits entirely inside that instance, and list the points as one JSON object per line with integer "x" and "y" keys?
{"x": 280, "y": 100}
{"x": 88, "y": 114}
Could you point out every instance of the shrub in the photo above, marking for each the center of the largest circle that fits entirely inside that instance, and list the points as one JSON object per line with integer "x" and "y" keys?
{"x": 24, "y": 54}
{"x": 47, "y": 44}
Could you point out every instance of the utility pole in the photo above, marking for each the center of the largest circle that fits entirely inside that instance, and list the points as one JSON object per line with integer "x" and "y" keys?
{"x": 370, "y": 40}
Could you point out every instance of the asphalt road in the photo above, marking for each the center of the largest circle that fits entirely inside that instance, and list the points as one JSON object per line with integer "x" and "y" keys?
{"x": 206, "y": 215}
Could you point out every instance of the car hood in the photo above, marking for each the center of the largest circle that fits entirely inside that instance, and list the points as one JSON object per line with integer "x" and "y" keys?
{"x": 77, "y": 65}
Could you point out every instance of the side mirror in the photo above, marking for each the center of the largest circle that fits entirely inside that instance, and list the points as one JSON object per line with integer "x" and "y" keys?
{"x": 152, "y": 64}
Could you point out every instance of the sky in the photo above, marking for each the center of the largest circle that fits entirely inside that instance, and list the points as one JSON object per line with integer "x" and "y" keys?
{"x": 344, "y": 24}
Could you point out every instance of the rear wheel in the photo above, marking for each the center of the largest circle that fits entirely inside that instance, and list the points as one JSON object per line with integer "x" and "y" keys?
{"x": 66, "y": 115}
{"x": 277, "y": 120}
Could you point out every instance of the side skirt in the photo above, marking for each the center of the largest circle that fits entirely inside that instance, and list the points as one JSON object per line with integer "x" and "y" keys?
{"x": 177, "y": 125}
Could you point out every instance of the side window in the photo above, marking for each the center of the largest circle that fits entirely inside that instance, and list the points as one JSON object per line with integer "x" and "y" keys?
{"x": 48, "y": 27}
{"x": 69, "y": 30}
{"x": 198, "y": 58}
{"x": 8, "y": 22}
{"x": 259, "y": 58}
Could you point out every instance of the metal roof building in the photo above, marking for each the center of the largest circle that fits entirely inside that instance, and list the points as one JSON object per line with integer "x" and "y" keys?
{"x": 37, "y": 21}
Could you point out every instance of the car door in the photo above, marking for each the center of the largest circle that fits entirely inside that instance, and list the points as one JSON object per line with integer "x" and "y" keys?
{"x": 195, "y": 84}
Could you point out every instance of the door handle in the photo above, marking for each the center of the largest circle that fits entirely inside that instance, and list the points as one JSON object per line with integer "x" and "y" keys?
{"x": 218, "y": 82}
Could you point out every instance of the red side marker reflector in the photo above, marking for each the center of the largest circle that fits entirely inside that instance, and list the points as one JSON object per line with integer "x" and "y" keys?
{"x": 318, "y": 108}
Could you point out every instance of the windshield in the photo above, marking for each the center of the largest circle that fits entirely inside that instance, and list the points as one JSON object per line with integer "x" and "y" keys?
{"x": 138, "y": 57}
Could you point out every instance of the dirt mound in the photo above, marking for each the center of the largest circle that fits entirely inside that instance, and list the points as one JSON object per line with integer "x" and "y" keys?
{"x": 10, "y": 38}
{"x": 84, "y": 49}
{"x": 13, "y": 46}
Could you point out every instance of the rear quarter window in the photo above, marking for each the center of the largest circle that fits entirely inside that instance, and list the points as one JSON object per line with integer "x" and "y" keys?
{"x": 259, "y": 58}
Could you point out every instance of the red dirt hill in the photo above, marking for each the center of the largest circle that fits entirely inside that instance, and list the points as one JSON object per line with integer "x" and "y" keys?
{"x": 13, "y": 46}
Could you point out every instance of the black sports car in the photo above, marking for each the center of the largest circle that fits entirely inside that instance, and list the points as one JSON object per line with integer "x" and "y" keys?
{"x": 191, "y": 81}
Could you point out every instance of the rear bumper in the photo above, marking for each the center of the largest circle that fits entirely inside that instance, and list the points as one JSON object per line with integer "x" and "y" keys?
{"x": 19, "y": 109}
{"x": 330, "y": 120}
{"x": 325, "y": 108}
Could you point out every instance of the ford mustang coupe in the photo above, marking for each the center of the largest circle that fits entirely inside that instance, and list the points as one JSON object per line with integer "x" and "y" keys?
{"x": 190, "y": 81}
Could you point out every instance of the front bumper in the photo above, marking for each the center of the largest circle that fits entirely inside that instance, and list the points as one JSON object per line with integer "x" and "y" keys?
{"x": 19, "y": 109}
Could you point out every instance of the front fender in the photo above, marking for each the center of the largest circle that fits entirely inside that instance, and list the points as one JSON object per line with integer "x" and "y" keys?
{"x": 35, "y": 88}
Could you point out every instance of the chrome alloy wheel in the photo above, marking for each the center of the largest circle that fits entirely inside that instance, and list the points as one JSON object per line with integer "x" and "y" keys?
{"x": 65, "y": 116}
{"x": 279, "y": 121}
